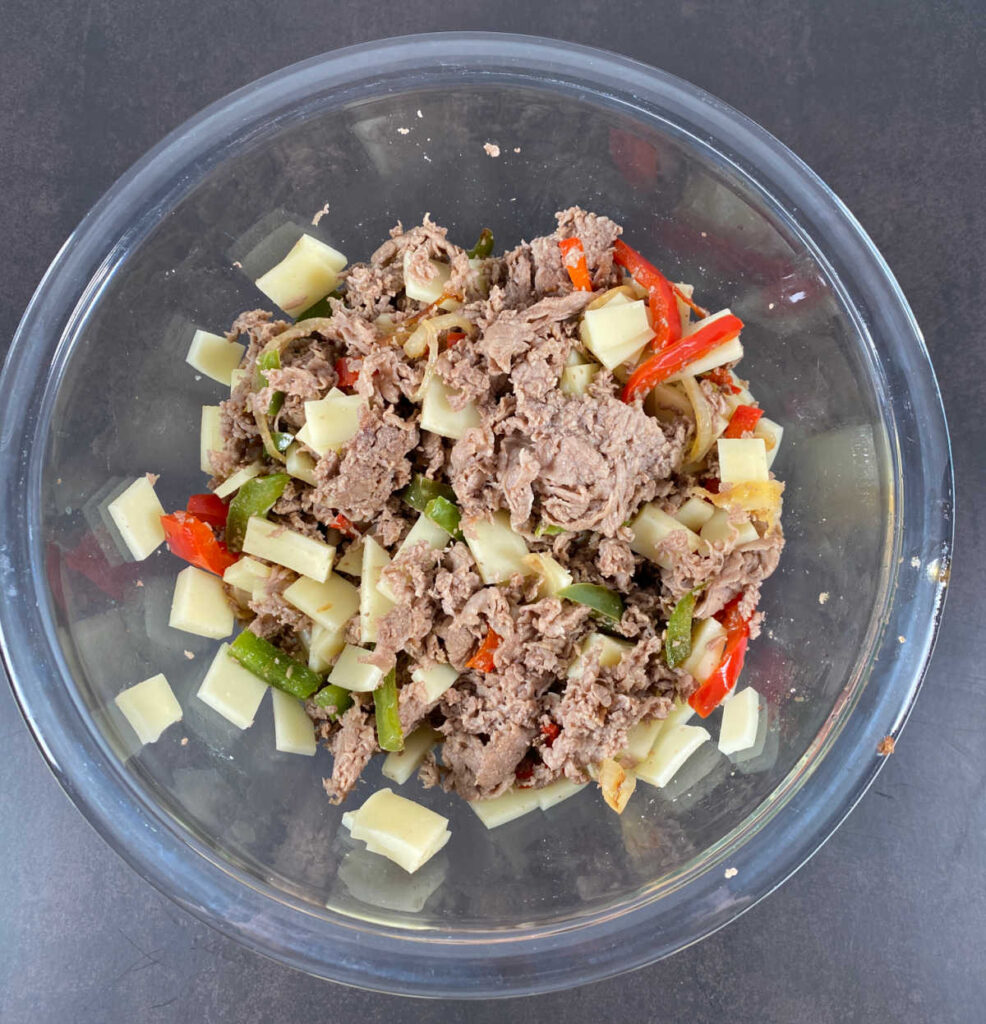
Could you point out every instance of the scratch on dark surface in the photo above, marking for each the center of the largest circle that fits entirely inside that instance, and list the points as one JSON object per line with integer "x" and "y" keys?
{"x": 161, "y": 1006}
{"x": 886, "y": 796}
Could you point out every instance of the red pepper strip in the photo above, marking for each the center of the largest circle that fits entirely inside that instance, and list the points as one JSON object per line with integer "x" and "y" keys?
{"x": 578, "y": 269}
{"x": 453, "y": 338}
{"x": 722, "y": 378}
{"x": 192, "y": 539}
{"x": 710, "y": 694}
{"x": 550, "y": 733}
{"x": 347, "y": 376}
{"x": 209, "y": 509}
{"x": 677, "y": 356}
{"x": 693, "y": 306}
{"x": 482, "y": 660}
{"x": 666, "y": 321}
{"x": 343, "y": 525}
{"x": 744, "y": 419}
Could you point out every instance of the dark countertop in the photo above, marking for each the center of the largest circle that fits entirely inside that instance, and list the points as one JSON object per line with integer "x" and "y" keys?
{"x": 885, "y": 101}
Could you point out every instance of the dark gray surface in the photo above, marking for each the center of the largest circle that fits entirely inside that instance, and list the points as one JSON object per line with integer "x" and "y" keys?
{"x": 885, "y": 101}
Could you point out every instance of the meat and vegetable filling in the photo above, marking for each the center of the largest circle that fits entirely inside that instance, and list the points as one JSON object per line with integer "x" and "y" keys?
{"x": 495, "y": 510}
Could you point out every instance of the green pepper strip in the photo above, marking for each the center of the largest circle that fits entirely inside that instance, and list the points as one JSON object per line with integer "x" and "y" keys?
{"x": 332, "y": 696}
{"x": 320, "y": 308}
{"x": 678, "y": 641}
{"x": 484, "y": 247}
{"x": 255, "y": 498}
{"x": 599, "y": 599}
{"x": 270, "y": 361}
{"x": 421, "y": 490}
{"x": 389, "y": 734}
{"x": 548, "y": 530}
{"x": 446, "y": 514}
{"x": 282, "y": 442}
{"x": 275, "y": 667}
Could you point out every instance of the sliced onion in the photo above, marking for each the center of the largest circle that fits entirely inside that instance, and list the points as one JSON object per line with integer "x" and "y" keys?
{"x": 761, "y": 497}
{"x": 616, "y": 783}
{"x": 611, "y": 293}
{"x": 667, "y": 397}
{"x": 703, "y": 415}
{"x": 419, "y": 342}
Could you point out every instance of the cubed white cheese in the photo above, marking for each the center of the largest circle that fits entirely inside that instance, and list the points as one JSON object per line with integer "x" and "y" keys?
{"x": 275, "y": 543}
{"x": 675, "y": 744}
{"x": 557, "y": 791}
{"x": 426, "y": 531}
{"x": 299, "y": 463}
{"x": 238, "y": 479}
{"x": 136, "y": 513}
{"x": 308, "y": 273}
{"x": 214, "y": 356}
{"x": 740, "y": 721}
{"x": 421, "y": 290}
{"x": 510, "y": 805}
{"x": 352, "y": 673}
{"x": 641, "y": 738}
{"x": 742, "y": 460}
{"x": 616, "y": 332}
{"x": 373, "y": 605}
{"x": 399, "y": 829}
{"x": 150, "y": 707}
{"x": 247, "y": 574}
{"x": 719, "y": 528}
{"x": 436, "y": 680}
{"x": 650, "y": 526}
{"x": 330, "y": 604}
{"x": 728, "y": 352}
{"x": 331, "y": 422}
{"x": 695, "y": 513}
{"x": 438, "y": 416}
{"x": 351, "y": 561}
{"x": 235, "y": 377}
{"x": 554, "y": 576}
{"x": 324, "y": 647}
{"x": 611, "y": 651}
{"x": 294, "y": 731}
{"x": 231, "y": 690}
{"x": 400, "y": 765}
{"x": 199, "y": 605}
{"x": 210, "y": 437}
{"x": 575, "y": 380}
{"x": 499, "y": 552}
{"x": 708, "y": 640}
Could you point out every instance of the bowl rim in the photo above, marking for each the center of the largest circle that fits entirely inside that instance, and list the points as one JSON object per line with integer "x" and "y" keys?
{"x": 479, "y": 964}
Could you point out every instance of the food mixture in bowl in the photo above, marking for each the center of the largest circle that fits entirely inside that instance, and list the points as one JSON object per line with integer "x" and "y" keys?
{"x": 503, "y": 517}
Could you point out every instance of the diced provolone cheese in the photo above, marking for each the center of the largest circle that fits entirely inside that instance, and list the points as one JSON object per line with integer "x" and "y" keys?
{"x": 575, "y": 380}
{"x": 330, "y": 604}
{"x": 352, "y": 673}
{"x": 616, "y": 332}
{"x": 136, "y": 513}
{"x": 695, "y": 513}
{"x": 373, "y": 605}
{"x": 235, "y": 377}
{"x": 294, "y": 731}
{"x": 729, "y": 351}
{"x": 555, "y": 792}
{"x": 438, "y": 416}
{"x": 708, "y": 640}
{"x": 299, "y": 463}
{"x": 641, "y": 739}
{"x": 399, "y": 829}
{"x": 275, "y": 543}
{"x": 247, "y": 574}
{"x": 510, "y": 805}
{"x": 742, "y": 460}
{"x": 400, "y": 765}
{"x": 324, "y": 647}
{"x": 554, "y": 576}
{"x": 351, "y": 561}
{"x": 611, "y": 651}
{"x": 499, "y": 552}
{"x": 436, "y": 680}
{"x": 231, "y": 690}
{"x": 199, "y": 605}
{"x": 772, "y": 433}
{"x": 719, "y": 528}
{"x": 238, "y": 479}
{"x": 210, "y": 437}
{"x": 214, "y": 356}
{"x": 740, "y": 721}
{"x": 675, "y": 744}
{"x": 331, "y": 422}
{"x": 425, "y": 291}
{"x": 150, "y": 707}
{"x": 650, "y": 526}
{"x": 308, "y": 273}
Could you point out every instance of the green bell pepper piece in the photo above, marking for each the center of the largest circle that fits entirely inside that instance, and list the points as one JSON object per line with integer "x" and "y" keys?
{"x": 678, "y": 639}
{"x": 446, "y": 513}
{"x": 483, "y": 247}
{"x": 606, "y": 602}
{"x": 255, "y": 498}
{"x": 332, "y": 696}
{"x": 421, "y": 490}
{"x": 548, "y": 530}
{"x": 389, "y": 734}
{"x": 271, "y": 664}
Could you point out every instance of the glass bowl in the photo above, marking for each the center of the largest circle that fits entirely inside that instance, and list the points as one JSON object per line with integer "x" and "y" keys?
{"x": 97, "y": 391}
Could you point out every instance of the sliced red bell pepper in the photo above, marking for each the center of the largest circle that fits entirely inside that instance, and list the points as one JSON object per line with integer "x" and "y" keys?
{"x": 666, "y": 321}
{"x": 346, "y": 374}
{"x": 744, "y": 419}
{"x": 573, "y": 259}
{"x": 722, "y": 378}
{"x": 550, "y": 732}
{"x": 723, "y": 680}
{"x": 698, "y": 310}
{"x": 677, "y": 356}
{"x": 343, "y": 525}
{"x": 209, "y": 508}
{"x": 453, "y": 338}
{"x": 192, "y": 539}
{"x": 482, "y": 660}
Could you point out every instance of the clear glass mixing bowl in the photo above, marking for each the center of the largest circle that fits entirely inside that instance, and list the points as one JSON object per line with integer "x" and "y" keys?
{"x": 96, "y": 390}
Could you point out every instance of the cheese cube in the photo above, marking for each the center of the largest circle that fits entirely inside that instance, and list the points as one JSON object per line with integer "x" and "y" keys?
{"x": 275, "y": 543}
{"x": 199, "y": 605}
{"x": 641, "y": 738}
{"x": 214, "y": 356}
{"x": 708, "y": 640}
{"x": 136, "y": 513}
{"x": 330, "y": 604}
{"x": 373, "y": 605}
{"x": 238, "y": 479}
{"x": 616, "y": 332}
{"x": 351, "y": 561}
{"x": 509, "y": 806}
{"x": 324, "y": 647}
{"x": 425, "y": 291}
{"x": 436, "y": 680}
{"x": 352, "y": 673}
{"x": 400, "y": 765}
{"x": 424, "y": 530}
{"x": 575, "y": 380}
{"x": 331, "y": 422}
{"x": 742, "y": 460}
{"x": 299, "y": 463}
{"x": 235, "y": 377}
{"x": 555, "y": 792}
{"x": 247, "y": 574}
{"x": 210, "y": 437}
{"x": 150, "y": 707}
{"x": 740, "y": 721}
{"x": 499, "y": 552}
{"x": 308, "y": 273}
{"x": 399, "y": 829}
{"x": 231, "y": 690}
{"x": 728, "y": 352}
{"x": 294, "y": 731}
{"x": 438, "y": 416}
{"x": 719, "y": 528}
{"x": 611, "y": 651}
{"x": 650, "y": 526}
{"x": 554, "y": 576}
{"x": 695, "y": 513}
{"x": 673, "y": 748}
